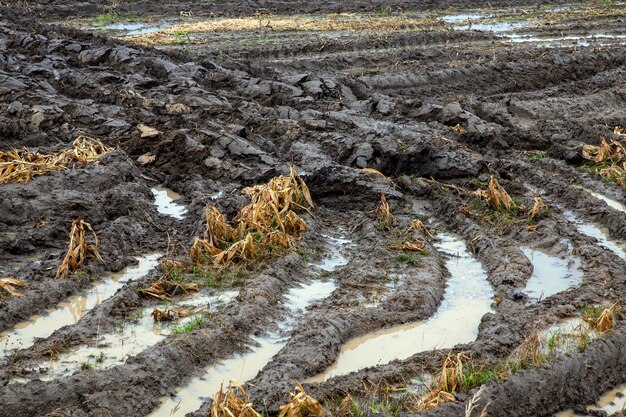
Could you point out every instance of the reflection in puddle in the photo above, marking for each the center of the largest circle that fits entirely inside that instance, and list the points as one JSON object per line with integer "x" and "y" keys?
{"x": 467, "y": 298}
{"x": 132, "y": 338}
{"x": 577, "y": 40}
{"x": 505, "y": 30}
{"x": 73, "y": 309}
{"x": 597, "y": 233}
{"x": 551, "y": 274}
{"x": 131, "y": 29}
{"x": 164, "y": 200}
{"x": 456, "y": 18}
{"x": 496, "y": 27}
{"x": 244, "y": 367}
{"x": 611, "y": 403}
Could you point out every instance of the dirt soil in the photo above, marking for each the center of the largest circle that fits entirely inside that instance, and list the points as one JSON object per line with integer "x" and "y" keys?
{"x": 437, "y": 96}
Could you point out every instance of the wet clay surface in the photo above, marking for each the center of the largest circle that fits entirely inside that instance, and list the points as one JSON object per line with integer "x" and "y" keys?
{"x": 199, "y": 100}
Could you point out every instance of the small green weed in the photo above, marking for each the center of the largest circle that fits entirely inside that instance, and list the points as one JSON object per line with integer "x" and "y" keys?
{"x": 189, "y": 327}
{"x": 407, "y": 259}
{"x": 537, "y": 155}
{"x": 109, "y": 18}
{"x": 86, "y": 366}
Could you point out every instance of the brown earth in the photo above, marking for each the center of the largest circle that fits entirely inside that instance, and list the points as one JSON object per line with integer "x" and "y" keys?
{"x": 409, "y": 95}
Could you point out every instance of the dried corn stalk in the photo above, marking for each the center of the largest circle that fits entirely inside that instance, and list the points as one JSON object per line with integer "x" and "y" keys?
{"x": 615, "y": 173}
{"x": 269, "y": 220}
{"x": 415, "y": 245}
{"x": 383, "y": 212}
{"x": 472, "y": 404}
{"x": 79, "y": 250}
{"x": 451, "y": 371}
{"x": 9, "y": 284}
{"x": 170, "y": 314}
{"x": 242, "y": 250}
{"x": 529, "y": 351}
{"x": 619, "y": 131}
{"x": 373, "y": 171}
{"x": 418, "y": 226}
{"x": 432, "y": 399}
{"x": 604, "y": 322}
{"x": 458, "y": 129}
{"x": 21, "y": 165}
{"x": 613, "y": 152}
{"x": 218, "y": 230}
{"x": 165, "y": 289}
{"x": 496, "y": 196}
{"x": 301, "y": 405}
{"x": 232, "y": 403}
{"x": 611, "y": 158}
{"x": 537, "y": 209}
{"x": 345, "y": 407}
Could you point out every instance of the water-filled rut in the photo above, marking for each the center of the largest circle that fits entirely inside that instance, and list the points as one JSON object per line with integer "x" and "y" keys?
{"x": 73, "y": 309}
{"x": 244, "y": 367}
{"x": 467, "y": 299}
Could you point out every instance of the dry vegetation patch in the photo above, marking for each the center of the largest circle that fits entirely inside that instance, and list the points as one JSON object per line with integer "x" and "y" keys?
{"x": 608, "y": 159}
{"x": 79, "y": 250}
{"x": 269, "y": 221}
{"x": 7, "y": 285}
{"x": 20, "y": 166}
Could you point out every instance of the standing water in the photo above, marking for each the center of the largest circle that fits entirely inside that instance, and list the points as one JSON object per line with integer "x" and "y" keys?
{"x": 616, "y": 205}
{"x": 551, "y": 274}
{"x": 467, "y": 298}
{"x": 611, "y": 403}
{"x": 597, "y": 233}
{"x": 73, "y": 309}
{"x": 164, "y": 199}
{"x": 244, "y": 367}
{"x": 133, "y": 337}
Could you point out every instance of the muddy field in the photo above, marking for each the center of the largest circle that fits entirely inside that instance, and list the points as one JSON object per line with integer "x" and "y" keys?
{"x": 464, "y": 253}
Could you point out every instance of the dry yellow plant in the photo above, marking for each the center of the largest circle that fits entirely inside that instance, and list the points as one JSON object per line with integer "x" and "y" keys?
{"x": 383, "y": 212}
{"x": 604, "y": 322}
{"x": 8, "y": 285}
{"x": 20, "y": 166}
{"x": 165, "y": 289}
{"x": 79, "y": 250}
{"x": 496, "y": 196}
{"x": 234, "y": 402}
{"x": 613, "y": 152}
{"x": 537, "y": 209}
{"x": 301, "y": 405}
{"x": 416, "y": 245}
{"x": 269, "y": 221}
{"x": 418, "y": 226}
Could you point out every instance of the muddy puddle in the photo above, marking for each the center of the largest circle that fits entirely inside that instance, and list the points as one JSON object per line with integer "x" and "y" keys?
{"x": 597, "y": 232}
{"x": 130, "y": 28}
{"x": 244, "y": 367}
{"x": 551, "y": 274}
{"x": 73, "y": 309}
{"x": 611, "y": 402}
{"x": 165, "y": 201}
{"x": 509, "y": 31}
{"x": 596, "y": 39}
{"x": 139, "y": 332}
{"x": 467, "y": 299}
{"x": 569, "y": 336}
{"x": 616, "y": 205}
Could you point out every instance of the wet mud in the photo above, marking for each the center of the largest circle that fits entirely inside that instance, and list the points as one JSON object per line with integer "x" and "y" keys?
{"x": 199, "y": 100}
